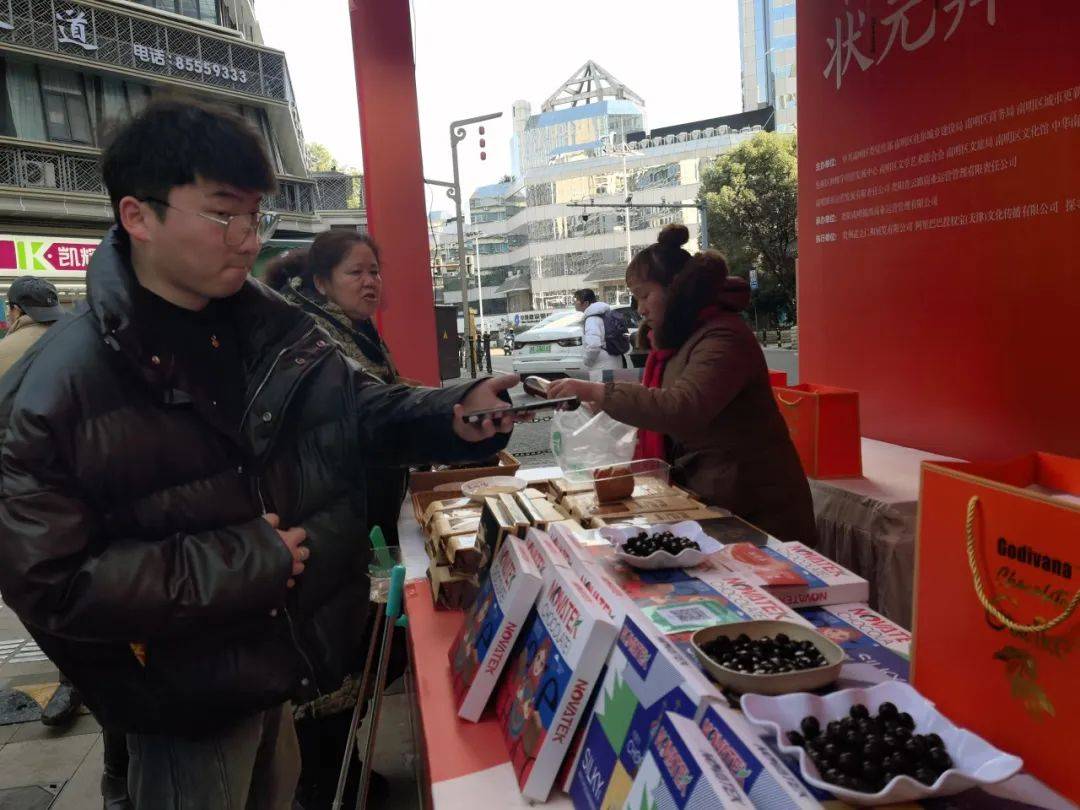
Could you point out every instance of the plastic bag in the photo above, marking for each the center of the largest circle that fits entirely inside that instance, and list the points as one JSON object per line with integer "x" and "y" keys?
{"x": 582, "y": 441}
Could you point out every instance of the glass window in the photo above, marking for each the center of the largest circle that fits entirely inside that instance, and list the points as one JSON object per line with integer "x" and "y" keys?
{"x": 205, "y": 10}
{"x": 67, "y": 116}
{"x": 24, "y": 97}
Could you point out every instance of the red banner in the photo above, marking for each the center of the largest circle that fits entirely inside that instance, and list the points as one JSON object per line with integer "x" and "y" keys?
{"x": 939, "y": 203}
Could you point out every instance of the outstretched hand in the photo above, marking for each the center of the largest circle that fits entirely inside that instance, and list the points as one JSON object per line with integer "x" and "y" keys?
{"x": 485, "y": 397}
{"x": 590, "y": 393}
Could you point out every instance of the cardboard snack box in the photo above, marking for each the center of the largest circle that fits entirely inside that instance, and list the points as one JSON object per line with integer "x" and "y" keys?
{"x": 680, "y": 771}
{"x": 449, "y": 590}
{"x": 646, "y": 676}
{"x": 559, "y": 656}
{"x": 585, "y": 507}
{"x": 491, "y": 627}
{"x": 762, "y": 773}
{"x": 877, "y": 649}
{"x": 427, "y": 480}
{"x": 465, "y": 554}
{"x": 495, "y": 525}
{"x": 795, "y": 574}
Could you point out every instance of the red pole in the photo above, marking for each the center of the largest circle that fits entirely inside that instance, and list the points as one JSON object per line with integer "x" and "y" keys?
{"x": 394, "y": 180}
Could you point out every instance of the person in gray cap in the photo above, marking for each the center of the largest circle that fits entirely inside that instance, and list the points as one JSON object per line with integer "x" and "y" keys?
{"x": 33, "y": 306}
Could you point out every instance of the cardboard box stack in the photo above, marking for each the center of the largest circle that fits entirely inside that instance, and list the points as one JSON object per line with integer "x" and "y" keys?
{"x": 558, "y": 660}
{"x": 491, "y": 626}
{"x": 795, "y": 574}
{"x": 645, "y": 676}
{"x": 682, "y": 772}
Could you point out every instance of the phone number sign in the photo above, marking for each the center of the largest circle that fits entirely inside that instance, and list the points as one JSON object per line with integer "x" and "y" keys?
{"x": 188, "y": 64}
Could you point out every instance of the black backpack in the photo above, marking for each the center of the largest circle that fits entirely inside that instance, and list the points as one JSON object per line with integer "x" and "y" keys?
{"x": 616, "y": 333}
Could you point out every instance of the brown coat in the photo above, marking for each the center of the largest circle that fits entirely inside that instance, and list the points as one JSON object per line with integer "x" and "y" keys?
{"x": 23, "y": 334}
{"x": 727, "y": 439}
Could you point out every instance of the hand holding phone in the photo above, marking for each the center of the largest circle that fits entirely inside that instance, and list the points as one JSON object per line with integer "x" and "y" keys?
{"x": 564, "y": 404}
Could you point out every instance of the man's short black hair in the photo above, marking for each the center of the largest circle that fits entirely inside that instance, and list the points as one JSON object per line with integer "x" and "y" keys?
{"x": 585, "y": 296}
{"x": 172, "y": 142}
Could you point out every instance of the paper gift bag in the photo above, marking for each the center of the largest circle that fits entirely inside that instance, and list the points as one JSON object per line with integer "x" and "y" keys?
{"x": 777, "y": 378}
{"x": 824, "y": 425}
{"x": 997, "y": 629}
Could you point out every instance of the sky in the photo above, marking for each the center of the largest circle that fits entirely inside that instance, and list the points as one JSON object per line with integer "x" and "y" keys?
{"x": 475, "y": 57}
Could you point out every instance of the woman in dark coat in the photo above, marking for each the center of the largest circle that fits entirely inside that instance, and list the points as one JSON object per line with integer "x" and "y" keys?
{"x": 338, "y": 282}
{"x": 706, "y": 404}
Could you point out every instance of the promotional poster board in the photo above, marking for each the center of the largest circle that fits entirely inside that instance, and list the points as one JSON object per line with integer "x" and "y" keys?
{"x": 939, "y": 202}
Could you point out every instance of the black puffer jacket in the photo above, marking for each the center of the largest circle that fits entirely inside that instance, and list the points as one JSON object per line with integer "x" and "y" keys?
{"x": 127, "y": 519}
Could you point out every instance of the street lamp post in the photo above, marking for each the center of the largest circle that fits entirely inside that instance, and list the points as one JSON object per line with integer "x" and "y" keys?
{"x": 479, "y": 279}
{"x": 453, "y": 191}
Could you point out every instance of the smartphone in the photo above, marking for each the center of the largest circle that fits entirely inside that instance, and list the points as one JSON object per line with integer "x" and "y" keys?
{"x": 536, "y": 386}
{"x": 564, "y": 404}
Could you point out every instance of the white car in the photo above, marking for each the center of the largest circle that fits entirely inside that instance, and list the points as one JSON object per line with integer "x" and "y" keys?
{"x": 554, "y": 346}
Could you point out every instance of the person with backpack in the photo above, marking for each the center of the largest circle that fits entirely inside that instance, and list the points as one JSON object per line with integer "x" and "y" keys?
{"x": 606, "y": 338}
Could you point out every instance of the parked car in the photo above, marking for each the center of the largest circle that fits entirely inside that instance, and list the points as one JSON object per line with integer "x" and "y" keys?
{"x": 554, "y": 346}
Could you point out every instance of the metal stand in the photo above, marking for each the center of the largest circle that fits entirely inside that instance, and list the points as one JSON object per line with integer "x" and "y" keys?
{"x": 388, "y": 615}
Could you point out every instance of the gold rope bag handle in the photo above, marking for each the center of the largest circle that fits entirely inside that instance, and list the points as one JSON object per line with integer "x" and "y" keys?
{"x": 790, "y": 403}
{"x": 976, "y": 579}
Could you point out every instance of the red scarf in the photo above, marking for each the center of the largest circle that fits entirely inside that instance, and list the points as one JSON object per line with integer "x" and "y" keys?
{"x": 651, "y": 444}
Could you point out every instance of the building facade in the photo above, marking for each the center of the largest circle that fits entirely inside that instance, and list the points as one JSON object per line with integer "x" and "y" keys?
{"x": 68, "y": 70}
{"x": 767, "y": 47}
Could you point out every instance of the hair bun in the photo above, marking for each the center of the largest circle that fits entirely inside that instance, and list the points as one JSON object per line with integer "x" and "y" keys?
{"x": 673, "y": 236}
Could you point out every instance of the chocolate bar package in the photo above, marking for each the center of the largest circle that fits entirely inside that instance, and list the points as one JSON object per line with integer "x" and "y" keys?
{"x": 558, "y": 659}
{"x": 795, "y": 574}
{"x": 681, "y": 772}
{"x": 491, "y": 627}
{"x": 646, "y": 676}
{"x": 877, "y": 649}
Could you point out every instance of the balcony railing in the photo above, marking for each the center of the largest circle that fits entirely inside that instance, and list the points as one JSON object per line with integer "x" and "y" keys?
{"x": 111, "y": 37}
{"x": 46, "y": 169}
{"x": 339, "y": 191}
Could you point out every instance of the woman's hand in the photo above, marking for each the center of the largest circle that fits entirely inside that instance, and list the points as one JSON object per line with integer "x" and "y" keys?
{"x": 485, "y": 397}
{"x": 590, "y": 393}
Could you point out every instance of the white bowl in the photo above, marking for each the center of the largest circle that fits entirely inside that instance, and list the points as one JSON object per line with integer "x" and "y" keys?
{"x": 975, "y": 761}
{"x": 687, "y": 558}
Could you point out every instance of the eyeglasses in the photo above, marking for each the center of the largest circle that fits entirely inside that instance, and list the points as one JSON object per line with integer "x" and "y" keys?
{"x": 238, "y": 227}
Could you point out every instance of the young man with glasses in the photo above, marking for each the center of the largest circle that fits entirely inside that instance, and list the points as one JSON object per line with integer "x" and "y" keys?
{"x": 181, "y": 517}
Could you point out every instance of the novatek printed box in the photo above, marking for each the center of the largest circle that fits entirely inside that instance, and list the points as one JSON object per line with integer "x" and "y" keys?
{"x": 646, "y": 676}
{"x": 681, "y": 772}
{"x": 491, "y": 627}
{"x": 546, "y": 690}
{"x": 796, "y": 575}
{"x": 732, "y": 599}
{"x": 760, "y": 771}
{"x": 877, "y": 649}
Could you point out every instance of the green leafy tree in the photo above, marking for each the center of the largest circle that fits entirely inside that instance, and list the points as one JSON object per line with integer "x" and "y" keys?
{"x": 318, "y": 158}
{"x": 751, "y": 193}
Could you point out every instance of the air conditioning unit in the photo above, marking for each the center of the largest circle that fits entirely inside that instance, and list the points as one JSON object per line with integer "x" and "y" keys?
{"x": 39, "y": 173}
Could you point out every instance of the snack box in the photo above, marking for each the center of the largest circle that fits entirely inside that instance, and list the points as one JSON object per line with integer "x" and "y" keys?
{"x": 491, "y": 626}
{"x": 449, "y": 590}
{"x": 585, "y": 507}
{"x": 795, "y": 574}
{"x": 608, "y": 595}
{"x": 546, "y": 689}
{"x": 761, "y": 771}
{"x": 715, "y": 600}
{"x": 701, "y": 515}
{"x": 464, "y": 553}
{"x": 646, "y": 676}
{"x": 680, "y": 771}
{"x": 495, "y": 525}
{"x": 877, "y": 649}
